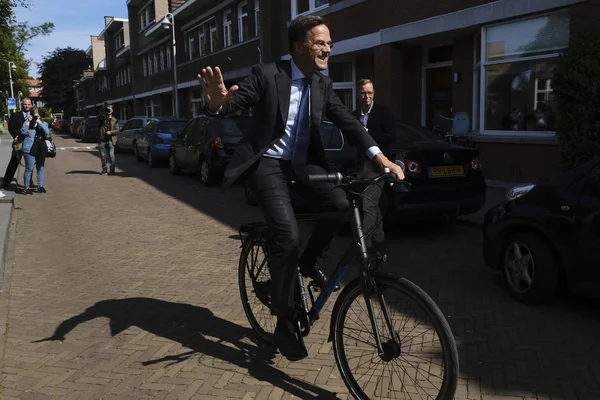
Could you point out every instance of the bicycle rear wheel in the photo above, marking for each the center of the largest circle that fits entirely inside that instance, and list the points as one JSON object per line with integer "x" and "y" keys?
{"x": 414, "y": 365}
{"x": 254, "y": 279}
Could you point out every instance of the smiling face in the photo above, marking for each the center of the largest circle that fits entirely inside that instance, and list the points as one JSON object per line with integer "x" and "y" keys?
{"x": 313, "y": 54}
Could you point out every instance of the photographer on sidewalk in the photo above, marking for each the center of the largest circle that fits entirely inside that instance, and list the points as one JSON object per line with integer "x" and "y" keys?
{"x": 109, "y": 127}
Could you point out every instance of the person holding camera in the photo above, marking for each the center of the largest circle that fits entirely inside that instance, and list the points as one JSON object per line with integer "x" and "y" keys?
{"x": 109, "y": 127}
{"x": 34, "y": 149}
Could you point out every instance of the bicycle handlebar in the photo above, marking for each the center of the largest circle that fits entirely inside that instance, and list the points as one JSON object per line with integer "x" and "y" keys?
{"x": 337, "y": 178}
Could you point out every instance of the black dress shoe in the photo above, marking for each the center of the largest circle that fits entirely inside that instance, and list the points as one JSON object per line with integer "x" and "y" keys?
{"x": 318, "y": 276}
{"x": 42, "y": 189}
{"x": 27, "y": 191}
{"x": 287, "y": 341}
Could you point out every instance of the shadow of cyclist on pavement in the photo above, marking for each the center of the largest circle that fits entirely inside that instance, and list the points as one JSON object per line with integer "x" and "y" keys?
{"x": 191, "y": 326}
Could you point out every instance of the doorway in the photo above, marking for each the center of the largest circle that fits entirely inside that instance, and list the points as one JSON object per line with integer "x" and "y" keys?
{"x": 438, "y": 95}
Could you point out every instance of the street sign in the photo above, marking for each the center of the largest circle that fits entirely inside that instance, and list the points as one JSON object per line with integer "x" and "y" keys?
{"x": 12, "y": 103}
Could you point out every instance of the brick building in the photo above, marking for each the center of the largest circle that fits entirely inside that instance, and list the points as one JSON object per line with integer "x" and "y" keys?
{"x": 490, "y": 59}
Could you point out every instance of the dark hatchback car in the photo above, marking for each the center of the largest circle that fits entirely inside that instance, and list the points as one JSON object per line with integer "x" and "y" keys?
{"x": 548, "y": 234}
{"x": 205, "y": 146}
{"x": 446, "y": 179}
{"x": 91, "y": 129}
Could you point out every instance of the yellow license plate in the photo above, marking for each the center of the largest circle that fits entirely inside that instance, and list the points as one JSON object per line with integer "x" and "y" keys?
{"x": 450, "y": 170}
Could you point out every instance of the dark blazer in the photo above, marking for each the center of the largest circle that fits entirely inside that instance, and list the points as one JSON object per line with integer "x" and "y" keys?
{"x": 15, "y": 123}
{"x": 267, "y": 90}
{"x": 381, "y": 126}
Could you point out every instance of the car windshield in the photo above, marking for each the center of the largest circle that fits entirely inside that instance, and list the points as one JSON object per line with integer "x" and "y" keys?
{"x": 408, "y": 134}
{"x": 171, "y": 126}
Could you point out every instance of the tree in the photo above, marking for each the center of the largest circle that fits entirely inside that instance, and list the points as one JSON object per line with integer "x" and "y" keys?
{"x": 58, "y": 70}
{"x": 576, "y": 86}
{"x": 14, "y": 39}
{"x": 23, "y": 33}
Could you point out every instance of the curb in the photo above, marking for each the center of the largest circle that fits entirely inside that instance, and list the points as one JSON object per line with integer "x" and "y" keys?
{"x": 6, "y": 214}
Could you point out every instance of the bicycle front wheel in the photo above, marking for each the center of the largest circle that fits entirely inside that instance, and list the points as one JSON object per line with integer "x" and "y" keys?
{"x": 419, "y": 358}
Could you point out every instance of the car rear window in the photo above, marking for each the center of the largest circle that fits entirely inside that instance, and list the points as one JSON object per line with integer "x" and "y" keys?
{"x": 93, "y": 121}
{"x": 171, "y": 126}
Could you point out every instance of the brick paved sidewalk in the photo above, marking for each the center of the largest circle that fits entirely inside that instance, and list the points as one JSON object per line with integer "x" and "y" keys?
{"x": 137, "y": 273}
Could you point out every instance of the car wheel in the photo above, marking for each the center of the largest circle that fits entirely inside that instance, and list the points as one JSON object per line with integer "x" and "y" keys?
{"x": 136, "y": 151}
{"x": 207, "y": 175}
{"x": 530, "y": 268}
{"x": 249, "y": 194}
{"x": 173, "y": 167}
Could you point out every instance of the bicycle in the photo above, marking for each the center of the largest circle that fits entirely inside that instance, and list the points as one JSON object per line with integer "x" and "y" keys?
{"x": 371, "y": 285}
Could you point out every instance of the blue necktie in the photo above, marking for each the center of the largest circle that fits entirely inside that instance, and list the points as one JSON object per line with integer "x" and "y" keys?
{"x": 302, "y": 128}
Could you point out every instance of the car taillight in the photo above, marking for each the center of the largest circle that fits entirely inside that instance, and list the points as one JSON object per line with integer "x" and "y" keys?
{"x": 157, "y": 138}
{"x": 475, "y": 164}
{"x": 412, "y": 167}
{"x": 217, "y": 143}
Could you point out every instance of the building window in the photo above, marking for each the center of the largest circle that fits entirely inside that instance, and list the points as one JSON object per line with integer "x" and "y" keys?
{"x": 162, "y": 58}
{"x": 119, "y": 40}
{"x": 307, "y": 6}
{"x": 343, "y": 76}
{"x": 227, "y": 34}
{"x": 145, "y": 65}
{"x": 168, "y": 56}
{"x": 515, "y": 73}
{"x": 242, "y": 25}
{"x": 203, "y": 44}
{"x": 123, "y": 110}
{"x": 146, "y": 15}
{"x": 257, "y": 17}
{"x": 214, "y": 38}
{"x": 193, "y": 49}
{"x": 155, "y": 60}
{"x": 152, "y": 107}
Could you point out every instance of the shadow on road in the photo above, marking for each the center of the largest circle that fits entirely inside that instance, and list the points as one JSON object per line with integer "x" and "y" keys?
{"x": 191, "y": 326}
{"x": 505, "y": 348}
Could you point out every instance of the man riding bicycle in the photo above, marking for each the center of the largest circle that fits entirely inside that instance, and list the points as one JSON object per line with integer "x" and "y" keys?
{"x": 289, "y": 100}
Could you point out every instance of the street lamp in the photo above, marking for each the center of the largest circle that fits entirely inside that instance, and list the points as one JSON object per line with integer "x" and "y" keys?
{"x": 11, "y": 68}
{"x": 20, "y": 95}
{"x": 168, "y": 22}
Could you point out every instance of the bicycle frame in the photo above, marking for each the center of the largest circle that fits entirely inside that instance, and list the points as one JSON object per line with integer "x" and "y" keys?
{"x": 369, "y": 289}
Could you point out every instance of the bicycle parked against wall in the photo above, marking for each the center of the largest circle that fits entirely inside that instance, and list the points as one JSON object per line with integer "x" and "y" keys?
{"x": 383, "y": 348}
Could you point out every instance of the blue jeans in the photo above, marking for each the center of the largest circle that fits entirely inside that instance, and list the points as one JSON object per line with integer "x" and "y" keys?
{"x": 30, "y": 161}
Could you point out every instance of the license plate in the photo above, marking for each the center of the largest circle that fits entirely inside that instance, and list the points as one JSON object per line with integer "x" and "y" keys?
{"x": 445, "y": 171}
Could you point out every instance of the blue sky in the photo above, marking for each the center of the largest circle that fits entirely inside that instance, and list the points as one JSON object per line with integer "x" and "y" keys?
{"x": 74, "y": 20}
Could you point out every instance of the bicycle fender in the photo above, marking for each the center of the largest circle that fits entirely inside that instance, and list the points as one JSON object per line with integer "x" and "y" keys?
{"x": 350, "y": 286}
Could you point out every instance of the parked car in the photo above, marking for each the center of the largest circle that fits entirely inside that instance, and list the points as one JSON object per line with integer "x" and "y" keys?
{"x": 129, "y": 133}
{"x": 205, "y": 146}
{"x": 547, "y": 234}
{"x": 155, "y": 139}
{"x": 91, "y": 130}
{"x": 76, "y": 121}
{"x": 446, "y": 179}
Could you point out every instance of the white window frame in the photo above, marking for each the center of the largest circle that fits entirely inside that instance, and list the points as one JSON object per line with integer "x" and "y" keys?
{"x": 145, "y": 65}
{"x": 227, "y": 29}
{"x": 162, "y": 57}
{"x": 346, "y": 85}
{"x": 211, "y": 31}
{"x": 311, "y": 8}
{"x": 144, "y": 15}
{"x": 119, "y": 39}
{"x": 482, "y": 84}
{"x": 201, "y": 37}
{"x": 155, "y": 60}
{"x": 241, "y": 16}
{"x": 191, "y": 41}
{"x": 256, "y": 17}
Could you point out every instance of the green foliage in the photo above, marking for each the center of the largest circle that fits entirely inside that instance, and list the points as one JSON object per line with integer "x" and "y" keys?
{"x": 58, "y": 70}
{"x": 48, "y": 120}
{"x": 45, "y": 112}
{"x": 576, "y": 86}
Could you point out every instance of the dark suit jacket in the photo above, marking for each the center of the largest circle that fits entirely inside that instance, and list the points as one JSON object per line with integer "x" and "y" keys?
{"x": 267, "y": 90}
{"x": 15, "y": 123}
{"x": 381, "y": 126}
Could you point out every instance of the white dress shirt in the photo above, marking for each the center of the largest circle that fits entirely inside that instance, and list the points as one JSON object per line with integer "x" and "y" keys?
{"x": 283, "y": 148}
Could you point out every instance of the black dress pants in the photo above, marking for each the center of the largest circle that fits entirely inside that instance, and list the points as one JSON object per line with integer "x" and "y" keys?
{"x": 11, "y": 169}
{"x": 271, "y": 183}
